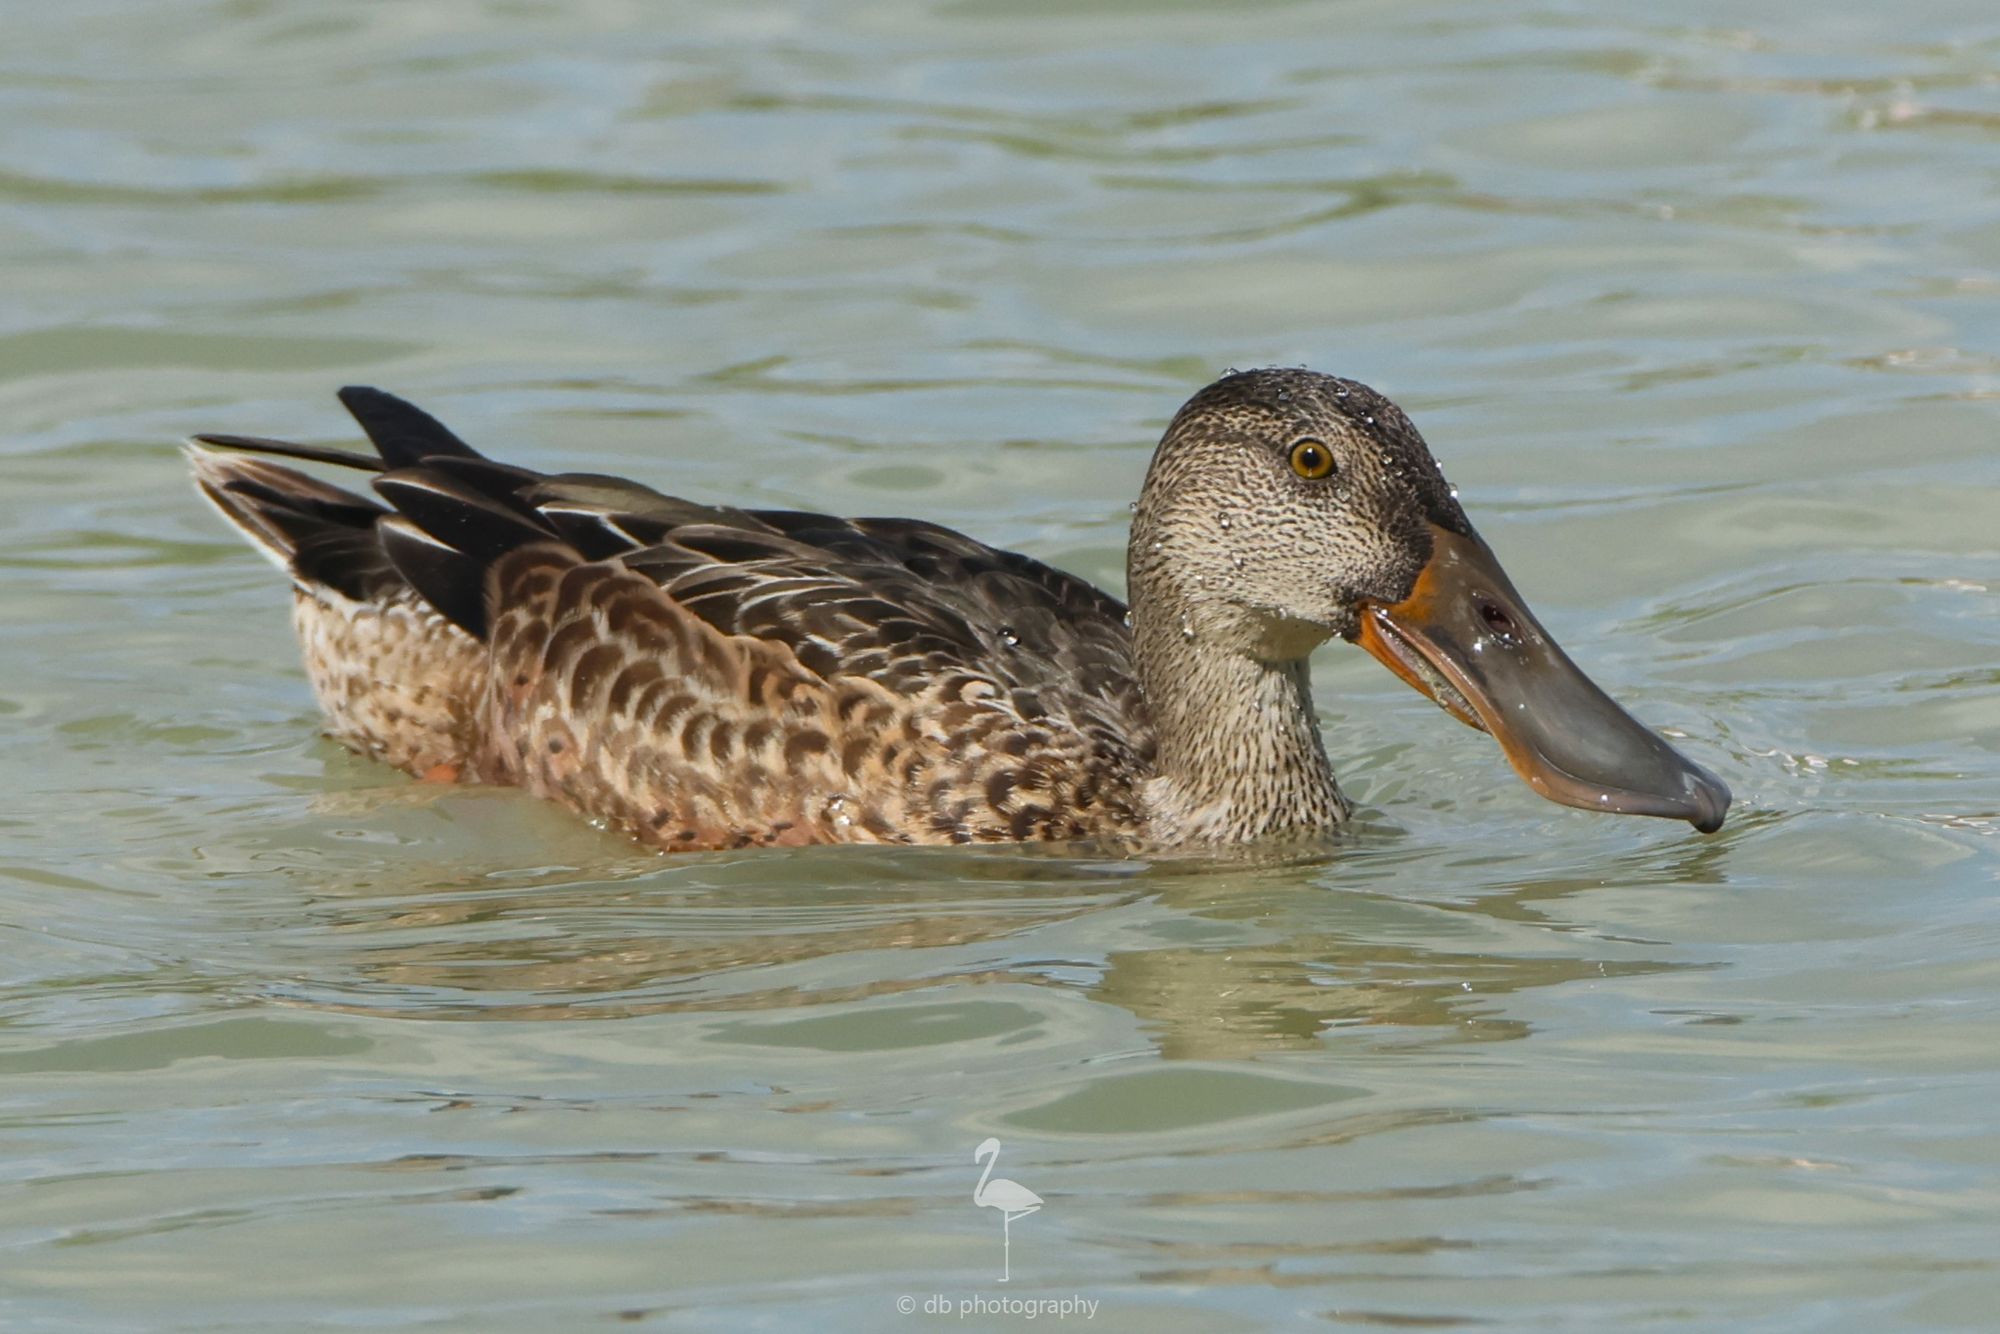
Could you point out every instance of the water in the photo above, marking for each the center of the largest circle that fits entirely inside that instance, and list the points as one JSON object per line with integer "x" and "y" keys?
{"x": 1698, "y": 309}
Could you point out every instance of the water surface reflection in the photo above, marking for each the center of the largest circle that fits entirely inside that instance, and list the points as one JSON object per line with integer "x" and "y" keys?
{"x": 1218, "y": 958}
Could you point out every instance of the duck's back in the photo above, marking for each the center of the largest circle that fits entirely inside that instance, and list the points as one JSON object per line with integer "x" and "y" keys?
{"x": 702, "y": 676}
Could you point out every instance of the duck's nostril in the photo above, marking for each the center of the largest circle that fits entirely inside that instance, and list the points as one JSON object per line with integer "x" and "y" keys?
{"x": 1497, "y": 620}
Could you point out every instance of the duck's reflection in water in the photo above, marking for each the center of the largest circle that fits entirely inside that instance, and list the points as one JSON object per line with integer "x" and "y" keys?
{"x": 1218, "y": 958}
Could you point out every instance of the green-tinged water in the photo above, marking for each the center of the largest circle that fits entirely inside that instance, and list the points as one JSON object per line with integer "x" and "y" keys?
{"x": 1698, "y": 305}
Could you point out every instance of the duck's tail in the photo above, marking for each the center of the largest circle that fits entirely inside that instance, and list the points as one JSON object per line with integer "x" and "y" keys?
{"x": 396, "y": 680}
{"x": 322, "y": 536}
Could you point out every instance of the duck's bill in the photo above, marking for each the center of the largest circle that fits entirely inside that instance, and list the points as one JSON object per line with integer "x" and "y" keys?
{"x": 1465, "y": 638}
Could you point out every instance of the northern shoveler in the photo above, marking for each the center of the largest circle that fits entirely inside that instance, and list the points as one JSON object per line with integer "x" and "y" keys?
{"x": 705, "y": 676}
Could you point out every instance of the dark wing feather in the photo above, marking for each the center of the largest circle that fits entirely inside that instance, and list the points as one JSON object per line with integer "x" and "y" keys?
{"x": 460, "y": 514}
{"x": 499, "y": 480}
{"x": 287, "y": 449}
{"x": 443, "y": 576}
{"x": 403, "y": 432}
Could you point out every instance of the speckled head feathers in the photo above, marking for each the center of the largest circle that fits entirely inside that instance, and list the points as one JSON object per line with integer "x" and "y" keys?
{"x": 1230, "y": 537}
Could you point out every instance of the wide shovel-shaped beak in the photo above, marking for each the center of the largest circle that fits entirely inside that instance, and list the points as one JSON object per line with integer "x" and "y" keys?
{"x": 1465, "y": 638}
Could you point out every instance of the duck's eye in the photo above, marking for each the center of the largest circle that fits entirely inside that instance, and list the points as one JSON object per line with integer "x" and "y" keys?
{"x": 1311, "y": 460}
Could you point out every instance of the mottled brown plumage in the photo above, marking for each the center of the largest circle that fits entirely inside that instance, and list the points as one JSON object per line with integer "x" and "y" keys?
{"x": 706, "y": 677}
{"x": 700, "y": 676}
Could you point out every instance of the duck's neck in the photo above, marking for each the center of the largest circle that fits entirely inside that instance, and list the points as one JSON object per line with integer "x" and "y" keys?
{"x": 1239, "y": 752}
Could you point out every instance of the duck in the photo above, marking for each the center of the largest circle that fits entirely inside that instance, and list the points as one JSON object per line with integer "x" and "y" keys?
{"x": 702, "y": 676}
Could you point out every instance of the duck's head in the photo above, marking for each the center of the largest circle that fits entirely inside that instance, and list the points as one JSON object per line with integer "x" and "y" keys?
{"x": 1284, "y": 507}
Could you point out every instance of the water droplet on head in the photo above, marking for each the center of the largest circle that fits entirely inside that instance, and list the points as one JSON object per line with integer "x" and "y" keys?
{"x": 1222, "y": 521}
{"x": 1133, "y": 507}
{"x": 1128, "y": 620}
{"x": 1008, "y": 637}
{"x": 1187, "y": 628}
{"x": 1158, "y": 545}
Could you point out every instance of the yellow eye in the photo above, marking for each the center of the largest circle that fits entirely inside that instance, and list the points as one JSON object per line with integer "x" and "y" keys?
{"x": 1311, "y": 459}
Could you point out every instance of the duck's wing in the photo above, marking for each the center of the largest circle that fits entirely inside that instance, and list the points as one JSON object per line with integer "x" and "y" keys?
{"x": 898, "y": 601}
{"x": 888, "y": 599}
